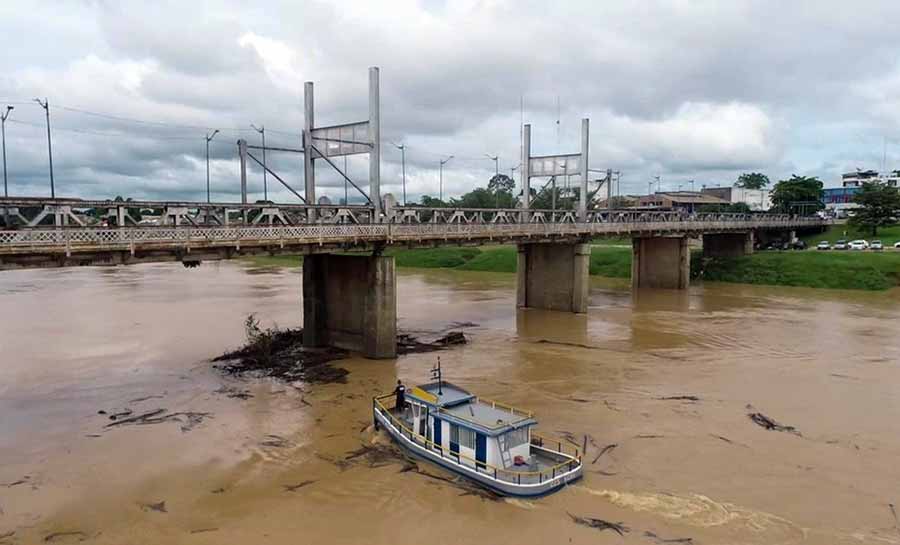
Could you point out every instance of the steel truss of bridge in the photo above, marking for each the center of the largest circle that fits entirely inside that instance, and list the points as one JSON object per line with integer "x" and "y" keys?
{"x": 191, "y": 232}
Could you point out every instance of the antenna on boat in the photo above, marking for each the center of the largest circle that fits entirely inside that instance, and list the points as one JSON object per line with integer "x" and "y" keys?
{"x": 436, "y": 374}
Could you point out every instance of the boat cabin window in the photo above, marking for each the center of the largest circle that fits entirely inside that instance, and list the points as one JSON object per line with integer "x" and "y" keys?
{"x": 463, "y": 437}
{"x": 517, "y": 437}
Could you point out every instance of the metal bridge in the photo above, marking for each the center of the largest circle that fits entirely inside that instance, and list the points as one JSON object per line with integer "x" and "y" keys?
{"x": 192, "y": 232}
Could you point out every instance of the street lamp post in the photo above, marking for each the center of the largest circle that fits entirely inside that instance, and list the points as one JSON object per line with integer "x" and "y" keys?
{"x": 496, "y": 160}
{"x": 441, "y": 178}
{"x": 46, "y": 106}
{"x": 3, "y": 118}
{"x": 402, "y": 148}
{"x": 262, "y": 130}
{"x": 209, "y": 138}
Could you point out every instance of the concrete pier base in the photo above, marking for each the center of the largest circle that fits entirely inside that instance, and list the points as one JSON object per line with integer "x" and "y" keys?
{"x": 728, "y": 244}
{"x": 660, "y": 262}
{"x": 350, "y": 302}
{"x": 553, "y": 276}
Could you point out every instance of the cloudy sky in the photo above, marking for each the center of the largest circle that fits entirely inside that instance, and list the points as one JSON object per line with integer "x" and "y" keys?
{"x": 686, "y": 90}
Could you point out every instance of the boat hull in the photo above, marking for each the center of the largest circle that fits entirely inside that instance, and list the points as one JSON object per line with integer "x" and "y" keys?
{"x": 499, "y": 486}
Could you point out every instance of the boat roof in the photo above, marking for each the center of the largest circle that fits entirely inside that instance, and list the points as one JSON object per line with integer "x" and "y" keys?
{"x": 460, "y": 407}
{"x": 444, "y": 395}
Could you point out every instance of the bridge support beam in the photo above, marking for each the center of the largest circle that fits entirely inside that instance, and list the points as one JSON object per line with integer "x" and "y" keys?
{"x": 350, "y": 302}
{"x": 660, "y": 262}
{"x": 553, "y": 276}
{"x": 728, "y": 244}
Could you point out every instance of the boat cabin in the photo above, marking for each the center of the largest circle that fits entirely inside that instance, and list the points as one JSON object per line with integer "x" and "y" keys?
{"x": 479, "y": 433}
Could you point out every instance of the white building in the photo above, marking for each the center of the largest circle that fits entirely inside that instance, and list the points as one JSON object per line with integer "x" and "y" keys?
{"x": 856, "y": 179}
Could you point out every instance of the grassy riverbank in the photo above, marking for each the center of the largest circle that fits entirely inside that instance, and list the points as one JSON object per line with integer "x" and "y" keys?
{"x": 833, "y": 233}
{"x": 833, "y": 270}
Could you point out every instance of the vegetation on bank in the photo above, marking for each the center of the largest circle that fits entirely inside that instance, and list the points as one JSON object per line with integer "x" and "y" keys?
{"x": 812, "y": 269}
{"x": 834, "y": 270}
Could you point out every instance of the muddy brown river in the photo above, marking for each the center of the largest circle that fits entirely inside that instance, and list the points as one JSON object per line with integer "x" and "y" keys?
{"x": 259, "y": 461}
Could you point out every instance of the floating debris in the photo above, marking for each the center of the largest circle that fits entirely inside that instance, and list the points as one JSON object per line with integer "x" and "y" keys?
{"x": 409, "y": 344}
{"x": 159, "y": 507}
{"x": 55, "y": 536}
{"x": 275, "y": 441}
{"x": 656, "y": 538}
{"x": 600, "y": 524}
{"x": 17, "y": 482}
{"x": 679, "y": 398}
{"x": 234, "y": 393}
{"x": 202, "y": 530}
{"x": 294, "y": 487}
{"x": 187, "y": 419}
{"x": 603, "y": 451}
{"x": 764, "y": 421}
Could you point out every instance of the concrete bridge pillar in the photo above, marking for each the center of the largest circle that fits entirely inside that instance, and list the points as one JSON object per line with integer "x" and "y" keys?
{"x": 728, "y": 244}
{"x": 350, "y": 302}
{"x": 660, "y": 262}
{"x": 553, "y": 276}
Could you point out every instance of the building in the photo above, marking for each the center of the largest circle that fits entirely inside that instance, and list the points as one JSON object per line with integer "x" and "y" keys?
{"x": 756, "y": 199}
{"x": 679, "y": 200}
{"x": 839, "y": 200}
{"x": 856, "y": 179}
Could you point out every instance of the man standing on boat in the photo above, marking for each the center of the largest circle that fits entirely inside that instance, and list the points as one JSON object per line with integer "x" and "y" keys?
{"x": 400, "y": 390}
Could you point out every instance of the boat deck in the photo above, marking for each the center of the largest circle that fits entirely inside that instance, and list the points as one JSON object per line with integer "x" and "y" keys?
{"x": 541, "y": 459}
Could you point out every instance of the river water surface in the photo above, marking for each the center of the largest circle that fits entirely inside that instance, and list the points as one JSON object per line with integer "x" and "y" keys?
{"x": 275, "y": 465}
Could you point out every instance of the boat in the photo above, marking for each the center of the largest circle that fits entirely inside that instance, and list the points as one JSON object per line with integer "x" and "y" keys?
{"x": 485, "y": 441}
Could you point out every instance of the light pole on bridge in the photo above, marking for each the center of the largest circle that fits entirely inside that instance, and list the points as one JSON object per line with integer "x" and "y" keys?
{"x": 496, "y": 160}
{"x": 209, "y": 138}
{"x": 441, "y": 178}
{"x": 46, "y": 106}
{"x": 402, "y": 148}
{"x": 3, "y": 118}
{"x": 262, "y": 130}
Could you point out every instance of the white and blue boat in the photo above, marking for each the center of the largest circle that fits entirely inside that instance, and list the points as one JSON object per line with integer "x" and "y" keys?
{"x": 485, "y": 441}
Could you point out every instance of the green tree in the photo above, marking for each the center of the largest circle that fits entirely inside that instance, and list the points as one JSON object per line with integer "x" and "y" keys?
{"x": 501, "y": 183}
{"x": 752, "y": 180}
{"x": 477, "y": 198}
{"x": 879, "y": 206}
{"x": 432, "y": 202}
{"x": 798, "y": 195}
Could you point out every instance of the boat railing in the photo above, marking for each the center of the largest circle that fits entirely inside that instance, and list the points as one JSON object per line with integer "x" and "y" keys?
{"x": 504, "y": 407}
{"x": 384, "y": 403}
{"x": 562, "y": 446}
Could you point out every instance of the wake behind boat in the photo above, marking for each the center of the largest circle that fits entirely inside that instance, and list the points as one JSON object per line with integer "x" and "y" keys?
{"x": 485, "y": 441}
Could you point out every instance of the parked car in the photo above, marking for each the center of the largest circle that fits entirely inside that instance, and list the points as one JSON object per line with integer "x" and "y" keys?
{"x": 897, "y": 245}
{"x": 824, "y": 245}
{"x": 840, "y": 245}
{"x": 858, "y": 245}
{"x": 798, "y": 245}
{"x": 876, "y": 245}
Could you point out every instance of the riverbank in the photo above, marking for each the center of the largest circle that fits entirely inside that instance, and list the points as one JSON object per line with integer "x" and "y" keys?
{"x": 830, "y": 270}
{"x": 887, "y": 235}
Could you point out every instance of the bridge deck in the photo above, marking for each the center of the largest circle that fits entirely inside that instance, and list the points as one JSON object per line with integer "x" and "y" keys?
{"x": 73, "y": 246}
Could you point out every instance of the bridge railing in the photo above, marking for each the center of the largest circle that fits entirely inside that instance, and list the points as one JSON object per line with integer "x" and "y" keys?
{"x": 609, "y": 224}
{"x": 81, "y": 214}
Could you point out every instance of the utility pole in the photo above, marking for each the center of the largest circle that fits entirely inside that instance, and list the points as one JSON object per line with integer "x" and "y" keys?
{"x": 402, "y": 148}
{"x": 46, "y": 106}
{"x": 262, "y": 130}
{"x": 657, "y": 184}
{"x": 496, "y": 160}
{"x": 346, "y": 195}
{"x": 209, "y": 138}
{"x": 692, "y": 186}
{"x": 3, "y": 118}
{"x": 441, "y": 178}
